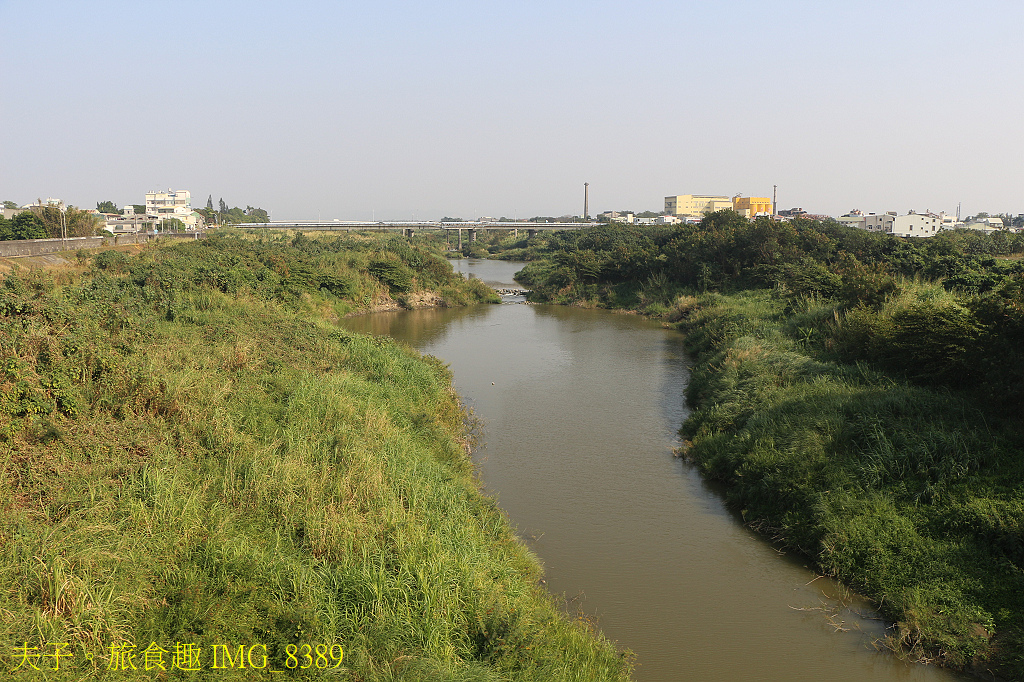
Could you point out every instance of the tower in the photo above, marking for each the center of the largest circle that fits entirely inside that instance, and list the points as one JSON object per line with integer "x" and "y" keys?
{"x": 586, "y": 199}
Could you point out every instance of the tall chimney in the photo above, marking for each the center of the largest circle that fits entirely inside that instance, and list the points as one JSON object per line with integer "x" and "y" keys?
{"x": 586, "y": 200}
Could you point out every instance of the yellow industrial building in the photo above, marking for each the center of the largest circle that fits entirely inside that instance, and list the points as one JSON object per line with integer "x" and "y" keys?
{"x": 748, "y": 207}
{"x": 695, "y": 205}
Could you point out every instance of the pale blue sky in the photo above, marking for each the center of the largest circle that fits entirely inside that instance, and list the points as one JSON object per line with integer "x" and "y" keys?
{"x": 399, "y": 109}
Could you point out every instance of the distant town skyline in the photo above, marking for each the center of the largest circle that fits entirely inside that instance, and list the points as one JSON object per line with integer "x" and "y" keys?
{"x": 395, "y": 110}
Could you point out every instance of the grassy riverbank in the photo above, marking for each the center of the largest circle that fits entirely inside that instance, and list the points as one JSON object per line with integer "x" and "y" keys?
{"x": 194, "y": 455}
{"x": 910, "y": 494}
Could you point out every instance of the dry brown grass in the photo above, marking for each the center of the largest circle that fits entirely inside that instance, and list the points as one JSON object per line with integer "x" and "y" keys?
{"x": 65, "y": 260}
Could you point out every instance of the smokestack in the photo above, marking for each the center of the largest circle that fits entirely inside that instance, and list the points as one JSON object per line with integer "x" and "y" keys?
{"x": 586, "y": 200}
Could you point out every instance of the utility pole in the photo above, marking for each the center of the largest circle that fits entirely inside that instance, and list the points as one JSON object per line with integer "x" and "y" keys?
{"x": 586, "y": 199}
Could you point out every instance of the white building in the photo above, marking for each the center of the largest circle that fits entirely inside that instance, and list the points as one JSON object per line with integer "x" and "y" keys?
{"x": 917, "y": 225}
{"x": 873, "y": 222}
{"x": 617, "y": 217}
{"x": 171, "y": 204}
{"x": 129, "y": 222}
{"x": 881, "y": 222}
{"x": 950, "y": 222}
{"x": 855, "y": 219}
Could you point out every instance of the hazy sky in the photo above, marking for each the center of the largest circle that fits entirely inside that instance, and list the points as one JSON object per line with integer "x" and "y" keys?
{"x": 393, "y": 110}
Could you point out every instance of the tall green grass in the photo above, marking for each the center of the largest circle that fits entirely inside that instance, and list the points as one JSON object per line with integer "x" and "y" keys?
{"x": 912, "y": 495}
{"x": 188, "y": 464}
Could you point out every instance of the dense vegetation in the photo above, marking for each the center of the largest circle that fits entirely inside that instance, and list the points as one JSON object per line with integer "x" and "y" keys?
{"x": 859, "y": 393}
{"x": 232, "y": 216}
{"x": 194, "y": 454}
{"x": 45, "y": 222}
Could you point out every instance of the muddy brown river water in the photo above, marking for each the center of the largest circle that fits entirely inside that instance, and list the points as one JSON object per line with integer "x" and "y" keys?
{"x": 580, "y": 411}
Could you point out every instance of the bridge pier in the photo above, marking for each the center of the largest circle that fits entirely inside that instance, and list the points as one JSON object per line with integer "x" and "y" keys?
{"x": 407, "y": 231}
{"x": 472, "y": 235}
{"x": 459, "y": 230}
{"x": 531, "y": 232}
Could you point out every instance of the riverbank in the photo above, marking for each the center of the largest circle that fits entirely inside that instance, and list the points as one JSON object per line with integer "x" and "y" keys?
{"x": 910, "y": 495}
{"x": 197, "y": 457}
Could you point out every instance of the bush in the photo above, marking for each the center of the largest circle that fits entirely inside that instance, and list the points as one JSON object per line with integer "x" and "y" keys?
{"x": 391, "y": 273}
{"x": 114, "y": 261}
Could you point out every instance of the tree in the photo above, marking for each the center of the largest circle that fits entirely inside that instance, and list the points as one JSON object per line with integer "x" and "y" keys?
{"x": 76, "y": 222}
{"x": 223, "y": 206}
{"x": 52, "y": 220}
{"x": 209, "y": 202}
{"x": 209, "y": 215}
{"x": 256, "y": 215}
{"x": 81, "y": 223}
{"x": 25, "y": 225}
{"x": 107, "y": 207}
{"x": 140, "y": 209}
{"x": 10, "y": 204}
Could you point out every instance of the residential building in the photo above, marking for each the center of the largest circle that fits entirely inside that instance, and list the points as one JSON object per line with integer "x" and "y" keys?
{"x": 950, "y": 222}
{"x": 854, "y": 218}
{"x": 129, "y": 222}
{"x": 917, "y": 225}
{"x": 873, "y": 222}
{"x": 617, "y": 217}
{"x": 750, "y": 207}
{"x": 171, "y": 204}
{"x": 696, "y": 205}
{"x": 986, "y": 225}
{"x": 880, "y": 222}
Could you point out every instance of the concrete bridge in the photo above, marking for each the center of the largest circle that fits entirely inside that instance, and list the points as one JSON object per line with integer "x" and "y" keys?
{"x": 409, "y": 227}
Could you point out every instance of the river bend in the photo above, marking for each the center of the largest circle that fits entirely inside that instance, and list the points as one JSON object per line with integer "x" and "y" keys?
{"x": 580, "y": 411}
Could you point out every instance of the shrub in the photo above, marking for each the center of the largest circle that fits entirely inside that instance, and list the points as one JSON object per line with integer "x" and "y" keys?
{"x": 114, "y": 261}
{"x": 391, "y": 273}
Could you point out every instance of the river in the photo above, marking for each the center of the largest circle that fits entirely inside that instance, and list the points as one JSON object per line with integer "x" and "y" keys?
{"x": 580, "y": 411}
